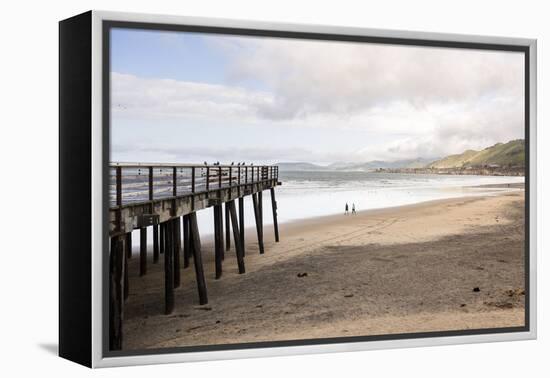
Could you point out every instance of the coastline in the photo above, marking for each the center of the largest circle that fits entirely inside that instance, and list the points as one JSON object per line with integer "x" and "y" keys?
{"x": 452, "y": 192}
{"x": 410, "y": 268}
{"x": 505, "y": 188}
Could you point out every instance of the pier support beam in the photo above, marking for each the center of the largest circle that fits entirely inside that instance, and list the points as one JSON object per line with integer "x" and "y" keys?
{"x": 241, "y": 224}
{"x": 259, "y": 225}
{"x": 162, "y": 237}
{"x": 274, "y": 208}
{"x": 218, "y": 239}
{"x": 129, "y": 244}
{"x": 222, "y": 249}
{"x": 127, "y": 247}
{"x": 186, "y": 241}
{"x": 142, "y": 251}
{"x": 116, "y": 291}
{"x": 227, "y": 230}
{"x": 236, "y": 236}
{"x": 168, "y": 268}
{"x": 177, "y": 251}
{"x": 261, "y": 209}
{"x": 197, "y": 258}
{"x": 156, "y": 243}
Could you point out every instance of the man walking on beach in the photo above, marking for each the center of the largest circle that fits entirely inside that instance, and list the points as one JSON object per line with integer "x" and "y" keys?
{"x": 347, "y": 211}
{"x": 353, "y": 208}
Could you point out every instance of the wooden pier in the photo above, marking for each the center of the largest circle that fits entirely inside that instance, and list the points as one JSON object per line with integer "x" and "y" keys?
{"x": 167, "y": 197}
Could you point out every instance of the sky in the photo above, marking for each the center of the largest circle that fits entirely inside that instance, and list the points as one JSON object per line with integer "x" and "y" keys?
{"x": 180, "y": 97}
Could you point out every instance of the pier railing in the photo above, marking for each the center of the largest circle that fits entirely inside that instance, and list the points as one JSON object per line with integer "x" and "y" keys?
{"x": 132, "y": 183}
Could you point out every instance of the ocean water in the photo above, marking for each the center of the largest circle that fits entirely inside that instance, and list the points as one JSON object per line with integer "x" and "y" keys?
{"x": 311, "y": 194}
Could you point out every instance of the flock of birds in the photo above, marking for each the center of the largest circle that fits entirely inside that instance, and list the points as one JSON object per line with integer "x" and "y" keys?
{"x": 206, "y": 163}
{"x": 232, "y": 163}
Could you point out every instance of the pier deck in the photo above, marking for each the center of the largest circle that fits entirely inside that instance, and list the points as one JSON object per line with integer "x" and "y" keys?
{"x": 166, "y": 197}
{"x": 138, "y": 192}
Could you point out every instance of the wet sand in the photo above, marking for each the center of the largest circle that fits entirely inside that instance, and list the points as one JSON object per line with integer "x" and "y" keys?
{"x": 442, "y": 265}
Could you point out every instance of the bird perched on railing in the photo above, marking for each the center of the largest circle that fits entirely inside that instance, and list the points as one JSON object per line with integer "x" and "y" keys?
{"x": 232, "y": 163}
{"x": 205, "y": 163}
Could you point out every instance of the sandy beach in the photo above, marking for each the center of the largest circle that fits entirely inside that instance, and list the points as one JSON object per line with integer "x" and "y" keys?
{"x": 449, "y": 264}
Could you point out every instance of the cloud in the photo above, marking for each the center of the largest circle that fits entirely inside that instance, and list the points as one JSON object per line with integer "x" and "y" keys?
{"x": 311, "y": 77}
{"x": 402, "y": 102}
{"x": 211, "y": 154}
{"x": 137, "y": 97}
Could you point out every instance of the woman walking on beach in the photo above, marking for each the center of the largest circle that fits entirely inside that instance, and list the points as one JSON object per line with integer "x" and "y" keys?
{"x": 353, "y": 208}
{"x": 347, "y": 211}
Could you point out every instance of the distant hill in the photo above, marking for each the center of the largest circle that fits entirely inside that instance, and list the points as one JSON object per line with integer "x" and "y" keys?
{"x": 367, "y": 166}
{"x": 407, "y": 163}
{"x": 501, "y": 154}
{"x": 300, "y": 166}
{"x": 377, "y": 164}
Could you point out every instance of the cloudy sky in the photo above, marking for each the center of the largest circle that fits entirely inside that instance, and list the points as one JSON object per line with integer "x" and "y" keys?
{"x": 187, "y": 97}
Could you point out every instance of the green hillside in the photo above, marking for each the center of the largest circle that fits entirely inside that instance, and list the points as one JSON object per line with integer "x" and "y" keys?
{"x": 501, "y": 154}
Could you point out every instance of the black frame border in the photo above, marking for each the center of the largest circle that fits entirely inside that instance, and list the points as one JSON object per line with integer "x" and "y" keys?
{"x": 75, "y": 188}
{"x": 108, "y": 25}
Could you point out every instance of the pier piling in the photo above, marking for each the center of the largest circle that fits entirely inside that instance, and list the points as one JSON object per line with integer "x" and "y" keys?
{"x": 142, "y": 251}
{"x": 156, "y": 243}
{"x": 177, "y": 251}
{"x": 218, "y": 239}
{"x": 227, "y": 229}
{"x": 127, "y": 246}
{"x": 186, "y": 242}
{"x": 236, "y": 236}
{"x": 241, "y": 223}
{"x": 168, "y": 269}
{"x": 261, "y": 208}
{"x": 197, "y": 258}
{"x": 162, "y": 238}
{"x": 129, "y": 243}
{"x": 258, "y": 219}
{"x": 274, "y": 208}
{"x": 116, "y": 292}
